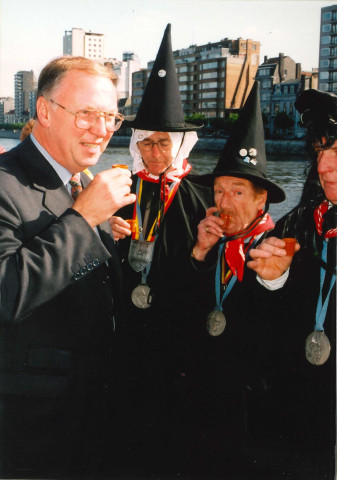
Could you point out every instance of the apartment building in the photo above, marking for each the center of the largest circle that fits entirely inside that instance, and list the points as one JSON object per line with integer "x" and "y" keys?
{"x": 281, "y": 80}
{"x": 214, "y": 79}
{"x": 328, "y": 50}
{"x": 91, "y": 45}
{"x": 23, "y": 86}
{"x": 6, "y": 105}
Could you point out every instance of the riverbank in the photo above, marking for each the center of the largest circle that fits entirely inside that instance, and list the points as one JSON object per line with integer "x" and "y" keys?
{"x": 275, "y": 147}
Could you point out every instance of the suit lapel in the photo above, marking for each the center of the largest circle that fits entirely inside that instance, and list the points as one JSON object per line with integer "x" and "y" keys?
{"x": 43, "y": 177}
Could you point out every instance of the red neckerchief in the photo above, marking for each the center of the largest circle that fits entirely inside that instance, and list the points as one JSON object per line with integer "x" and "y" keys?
{"x": 166, "y": 197}
{"x": 235, "y": 249}
{"x": 318, "y": 216}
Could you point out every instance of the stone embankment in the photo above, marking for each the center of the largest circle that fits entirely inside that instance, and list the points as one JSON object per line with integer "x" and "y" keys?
{"x": 10, "y": 133}
{"x": 278, "y": 147}
{"x": 292, "y": 147}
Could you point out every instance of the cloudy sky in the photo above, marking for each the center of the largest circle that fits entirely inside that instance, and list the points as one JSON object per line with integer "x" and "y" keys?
{"x": 31, "y": 31}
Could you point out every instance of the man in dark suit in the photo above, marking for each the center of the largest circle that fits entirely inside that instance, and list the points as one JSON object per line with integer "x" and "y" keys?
{"x": 59, "y": 277}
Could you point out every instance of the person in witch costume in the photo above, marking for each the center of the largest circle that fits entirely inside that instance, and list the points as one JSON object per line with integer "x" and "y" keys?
{"x": 304, "y": 296}
{"x": 229, "y": 359}
{"x": 170, "y": 204}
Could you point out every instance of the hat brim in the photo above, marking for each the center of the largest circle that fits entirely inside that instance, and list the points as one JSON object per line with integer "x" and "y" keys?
{"x": 275, "y": 193}
{"x": 131, "y": 122}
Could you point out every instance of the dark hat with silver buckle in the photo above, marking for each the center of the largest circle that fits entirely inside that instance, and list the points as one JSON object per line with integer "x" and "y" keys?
{"x": 314, "y": 105}
{"x": 244, "y": 154}
{"x": 160, "y": 109}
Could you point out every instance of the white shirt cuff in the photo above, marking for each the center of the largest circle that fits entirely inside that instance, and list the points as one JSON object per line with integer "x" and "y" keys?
{"x": 274, "y": 284}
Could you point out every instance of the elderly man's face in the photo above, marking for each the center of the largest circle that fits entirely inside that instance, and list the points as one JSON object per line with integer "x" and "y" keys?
{"x": 156, "y": 152}
{"x": 73, "y": 147}
{"x": 327, "y": 171}
{"x": 237, "y": 197}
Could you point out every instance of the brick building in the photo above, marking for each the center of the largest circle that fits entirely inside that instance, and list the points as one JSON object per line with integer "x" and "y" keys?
{"x": 213, "y": 79}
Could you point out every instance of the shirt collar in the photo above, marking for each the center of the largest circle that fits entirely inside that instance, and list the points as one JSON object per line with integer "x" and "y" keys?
{"x": 62, "y": 172}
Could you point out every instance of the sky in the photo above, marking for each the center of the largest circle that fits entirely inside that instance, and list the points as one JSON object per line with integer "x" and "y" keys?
{"x": 31, "y": 31}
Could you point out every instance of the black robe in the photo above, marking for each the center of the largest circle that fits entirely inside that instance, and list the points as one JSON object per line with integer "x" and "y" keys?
{"x": 152, "y": 342}
{"x": 303, "y": 396}
{"x": 229, "y": 377}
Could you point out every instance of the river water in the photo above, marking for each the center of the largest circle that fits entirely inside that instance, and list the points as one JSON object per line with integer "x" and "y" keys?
{"x": 287, "y": 172}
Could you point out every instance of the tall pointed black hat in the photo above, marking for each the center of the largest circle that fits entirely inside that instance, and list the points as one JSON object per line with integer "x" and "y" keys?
{"x": 161, "y": 109}
{"x": 244, "y": 154}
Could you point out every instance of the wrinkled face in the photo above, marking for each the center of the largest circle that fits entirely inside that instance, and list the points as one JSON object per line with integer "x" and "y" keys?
{"x": 73, "y": 147}
{"x": 327, "y": 171}
{"x": 156, "y": 152}
{"x": 238, "y": 198}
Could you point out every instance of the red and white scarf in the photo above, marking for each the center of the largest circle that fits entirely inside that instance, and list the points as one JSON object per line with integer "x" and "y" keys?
{"x": 318, "y": 216}
{"x": 235, "y": 249}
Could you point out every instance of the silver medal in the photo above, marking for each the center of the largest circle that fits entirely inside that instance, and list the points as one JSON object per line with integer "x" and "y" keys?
{"x": 216, "y": 323}
{"x": 140, "y": 254}
{"x": 141, "y": 297}
{"x": 317, "y": 348}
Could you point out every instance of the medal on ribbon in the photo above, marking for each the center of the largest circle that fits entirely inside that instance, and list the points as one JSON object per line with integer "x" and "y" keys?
{"x": 216, "y": 323}
{"x": 140, "y": 254}
{"x": 317, "y": 348}
{"x": 141, "y": 250}
{"x": 141, "y": 296}
{"x": 317, "y": 344}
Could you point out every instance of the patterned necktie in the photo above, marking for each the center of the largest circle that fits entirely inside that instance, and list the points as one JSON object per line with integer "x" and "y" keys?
{"x": 76, "y": 186}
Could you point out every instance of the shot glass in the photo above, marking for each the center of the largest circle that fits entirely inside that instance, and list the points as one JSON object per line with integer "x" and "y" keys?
{"x": 117, "y": 165}
{"x": 132, "y": 224}
{"x": 226, "y": 219}
{"x": 289, "y": 246}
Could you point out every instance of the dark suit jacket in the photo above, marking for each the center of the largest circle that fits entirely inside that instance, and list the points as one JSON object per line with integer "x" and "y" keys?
{"x": 57, "y": 283}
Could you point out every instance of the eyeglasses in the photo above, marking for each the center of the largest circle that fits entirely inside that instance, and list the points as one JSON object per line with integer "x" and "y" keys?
{"x": 163, "y": 145}
{"x": 87, "y": 118}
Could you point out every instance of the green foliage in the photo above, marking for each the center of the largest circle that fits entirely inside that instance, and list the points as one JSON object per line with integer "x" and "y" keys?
{"x": 197, "y": 118}
{"x": 11, "y": 126}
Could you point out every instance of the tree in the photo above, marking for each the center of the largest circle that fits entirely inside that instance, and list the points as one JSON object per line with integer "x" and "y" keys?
{"x": 283, "y": 121}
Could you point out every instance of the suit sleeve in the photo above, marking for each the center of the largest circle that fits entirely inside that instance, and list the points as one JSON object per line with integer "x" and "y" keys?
{"x": 41, "y": 257}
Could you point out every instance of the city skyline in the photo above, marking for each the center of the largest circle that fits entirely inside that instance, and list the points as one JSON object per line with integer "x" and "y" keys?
{"x": 32, "y": 33}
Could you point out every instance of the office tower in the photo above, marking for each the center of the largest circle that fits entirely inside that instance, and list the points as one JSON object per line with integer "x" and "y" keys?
{"x": 23, "y": 86}
{"x": 77, "y": 42}
{"x": 328, "y": 50}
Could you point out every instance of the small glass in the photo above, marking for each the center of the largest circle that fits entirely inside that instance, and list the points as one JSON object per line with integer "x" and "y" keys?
{"x": 132, "y": 225}
{"x": 226, "y": 219}
{"x": 289, "y": 246}
{"x": 116, "y": 165}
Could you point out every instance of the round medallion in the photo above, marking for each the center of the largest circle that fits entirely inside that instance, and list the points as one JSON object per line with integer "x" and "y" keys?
{"x": 216, "y": 323}
{"x": 317, "y": 348}
{"x": 243, "y": 152}
{"x": 162, "y": 73}
{"x": 141, "y": 297}
{"x": 252, "y": 152}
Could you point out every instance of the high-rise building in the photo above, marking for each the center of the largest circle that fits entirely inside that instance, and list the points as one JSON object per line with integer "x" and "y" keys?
{"x": 23, "y": 86}
{"x": 77, "y": 42}
{"x": 213, "y": 78}
{"x": 328, "y": 50}
{"x": 124, "y": 69}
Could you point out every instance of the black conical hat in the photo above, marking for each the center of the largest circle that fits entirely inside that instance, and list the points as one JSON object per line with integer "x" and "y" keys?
{"x": 161, "y": 109}
{"x": 244, "y": 154}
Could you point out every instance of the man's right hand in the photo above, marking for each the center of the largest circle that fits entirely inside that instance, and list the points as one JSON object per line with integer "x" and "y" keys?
{"x": 119, "y": 227}
{"x": 209, "y": 232}
{"x": 108, "y": 192}
{"x": 269, "y": 259}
